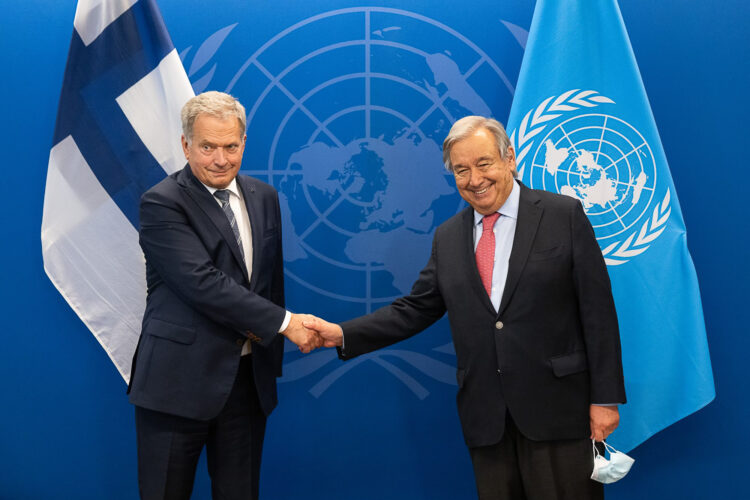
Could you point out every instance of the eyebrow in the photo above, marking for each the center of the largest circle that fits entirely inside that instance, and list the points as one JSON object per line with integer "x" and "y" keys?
{"x": 213, "y": 144}
{"x": 479, "y": 160}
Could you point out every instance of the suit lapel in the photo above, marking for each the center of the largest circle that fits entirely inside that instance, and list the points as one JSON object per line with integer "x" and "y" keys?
{"x": 212, "y": 209}
{"x": 529, "y": 214}
{"x": 467, "y": 241}
{"x": 245, "y": 185}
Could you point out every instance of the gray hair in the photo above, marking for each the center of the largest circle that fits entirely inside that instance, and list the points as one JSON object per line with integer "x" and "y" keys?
{"x": 213, "y": 103}
{"x": 465, "y": 127}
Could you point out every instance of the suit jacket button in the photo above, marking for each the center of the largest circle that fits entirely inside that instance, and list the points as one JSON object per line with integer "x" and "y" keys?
{"x": 499, "y": 371}
{"x": 240, "y": 342}
{"x": 499, "y": 325}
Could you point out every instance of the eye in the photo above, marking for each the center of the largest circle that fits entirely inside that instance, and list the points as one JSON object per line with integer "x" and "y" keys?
{"x": 232, "y": 148}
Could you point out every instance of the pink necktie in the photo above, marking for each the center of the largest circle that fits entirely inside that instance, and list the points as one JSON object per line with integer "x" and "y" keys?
{"x": 485, "y": 253}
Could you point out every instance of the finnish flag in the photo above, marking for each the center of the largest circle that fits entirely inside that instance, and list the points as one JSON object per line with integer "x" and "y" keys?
{"x": 117, "y": 134}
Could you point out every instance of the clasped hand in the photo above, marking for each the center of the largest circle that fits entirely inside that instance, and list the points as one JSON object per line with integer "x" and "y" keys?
{"x": 309, "y": 332}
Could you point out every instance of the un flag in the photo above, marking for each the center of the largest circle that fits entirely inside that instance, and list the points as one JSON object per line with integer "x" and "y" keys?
{"x": 582, "y": 126}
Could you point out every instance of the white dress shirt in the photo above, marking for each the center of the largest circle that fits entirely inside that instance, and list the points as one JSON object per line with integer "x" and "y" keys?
{"x": 505, "y": 230}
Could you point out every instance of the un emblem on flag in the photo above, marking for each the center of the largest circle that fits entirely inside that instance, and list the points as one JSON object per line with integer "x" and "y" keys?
{"x": 601, "y": 160}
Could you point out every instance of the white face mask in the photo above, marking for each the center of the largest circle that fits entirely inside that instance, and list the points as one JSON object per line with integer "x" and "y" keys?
{"x": 614, "y": 469}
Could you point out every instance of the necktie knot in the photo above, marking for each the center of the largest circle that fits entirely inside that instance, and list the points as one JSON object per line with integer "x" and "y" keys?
{"x": 222, "y": 195}
{"x": 488, "y": 222}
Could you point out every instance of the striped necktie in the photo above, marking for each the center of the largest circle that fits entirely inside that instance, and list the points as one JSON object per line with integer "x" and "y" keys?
{"x": 223, "y": 196}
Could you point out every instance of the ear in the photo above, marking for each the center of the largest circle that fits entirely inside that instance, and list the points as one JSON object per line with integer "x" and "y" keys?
{"x": 510, "y": 155}
{"x": 185, "y": 147}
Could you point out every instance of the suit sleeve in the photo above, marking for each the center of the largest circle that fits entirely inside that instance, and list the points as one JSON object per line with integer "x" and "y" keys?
{"x": 597, "y": 313}
{"x": 400, "y": 320}
{"x": 277, "y": 288}
{"x": 182, "y": 262}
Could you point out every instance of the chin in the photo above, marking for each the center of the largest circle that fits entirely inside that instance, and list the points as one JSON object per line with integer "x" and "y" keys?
{"x": 484, "y": 209}
{"x": 222, "y": 182}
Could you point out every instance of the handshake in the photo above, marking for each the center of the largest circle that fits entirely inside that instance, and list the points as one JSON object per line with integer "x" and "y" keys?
{"x": 309, "y": 332}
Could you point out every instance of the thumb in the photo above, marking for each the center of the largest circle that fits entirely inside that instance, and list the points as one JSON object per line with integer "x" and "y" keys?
{"x": 311, "y": 322}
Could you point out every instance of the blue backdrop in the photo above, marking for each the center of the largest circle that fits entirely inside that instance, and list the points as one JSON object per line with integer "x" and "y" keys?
{"x": 386, "y": 425}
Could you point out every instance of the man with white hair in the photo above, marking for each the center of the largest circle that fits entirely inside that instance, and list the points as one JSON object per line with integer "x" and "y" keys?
{"x": 211, "y": 345}
{"x": 524, "y": 283}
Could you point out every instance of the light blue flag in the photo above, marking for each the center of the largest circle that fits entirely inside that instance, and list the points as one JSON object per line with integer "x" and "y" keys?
{"x": 117, "y": 134}
{"x": 581, "y": 125}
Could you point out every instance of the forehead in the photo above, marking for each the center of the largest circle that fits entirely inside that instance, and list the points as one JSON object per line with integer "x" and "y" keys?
{"x": 214, "y": 129}
{"x": 480, "y": 144}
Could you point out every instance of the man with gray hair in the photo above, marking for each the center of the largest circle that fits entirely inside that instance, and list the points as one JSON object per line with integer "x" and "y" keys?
{"x": 533, "y": 321}
{"x": 212, "y": 339}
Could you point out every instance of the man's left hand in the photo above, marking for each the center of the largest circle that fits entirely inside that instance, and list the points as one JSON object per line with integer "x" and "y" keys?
{"x": 604, "y": 420}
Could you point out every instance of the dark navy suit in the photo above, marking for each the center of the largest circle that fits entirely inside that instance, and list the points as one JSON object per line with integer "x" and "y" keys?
{"x": 200, "y": 305}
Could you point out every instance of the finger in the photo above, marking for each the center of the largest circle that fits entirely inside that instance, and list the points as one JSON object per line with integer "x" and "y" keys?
{"x": 595, "y": 434}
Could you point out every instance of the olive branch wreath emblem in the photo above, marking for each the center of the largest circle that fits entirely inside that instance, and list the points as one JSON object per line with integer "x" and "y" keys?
{"x": 536, "y": 121}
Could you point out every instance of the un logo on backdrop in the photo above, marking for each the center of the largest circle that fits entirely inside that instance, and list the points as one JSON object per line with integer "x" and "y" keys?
{"x": 347, "y": 113}
{"x": 359, "y": 101}
{"x": 599, "y": 159}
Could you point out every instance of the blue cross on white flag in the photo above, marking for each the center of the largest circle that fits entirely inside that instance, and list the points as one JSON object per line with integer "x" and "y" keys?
{"x": 582, "y": 126}
{"x": 117, "y": 134}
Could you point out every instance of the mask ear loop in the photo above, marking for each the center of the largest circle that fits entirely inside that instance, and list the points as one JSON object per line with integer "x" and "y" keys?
{"x": 596, "y": 450}
{"x": 609, "y": 448}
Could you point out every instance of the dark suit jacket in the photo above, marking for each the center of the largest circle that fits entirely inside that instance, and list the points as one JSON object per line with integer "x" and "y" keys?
{"x": 551, "y": 350}
{"x": 200, "y": 308}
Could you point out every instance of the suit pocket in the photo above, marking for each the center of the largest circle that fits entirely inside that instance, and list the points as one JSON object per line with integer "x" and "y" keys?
{"x": 569, "y": 364}
{"x": 166, "y": 330}
{"x": 546, "y": 253}
{"x": 268, "y": 233}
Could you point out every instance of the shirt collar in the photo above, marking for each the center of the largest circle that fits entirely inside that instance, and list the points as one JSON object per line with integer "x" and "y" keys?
{"x": 509, "y": 208}
{"x": 232, "y": 188}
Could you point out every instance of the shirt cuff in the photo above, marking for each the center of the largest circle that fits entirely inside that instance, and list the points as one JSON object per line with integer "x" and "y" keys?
{"x": 285, "y": 323}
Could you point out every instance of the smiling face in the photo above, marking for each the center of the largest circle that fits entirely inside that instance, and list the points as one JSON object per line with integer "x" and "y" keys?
{"x": 215, "y": 152}
{"x": 483, "y": 178}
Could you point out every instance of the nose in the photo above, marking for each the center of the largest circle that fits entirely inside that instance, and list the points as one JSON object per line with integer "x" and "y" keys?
{"x": 475, "y": 177}
{"x": 220, "y": 158}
